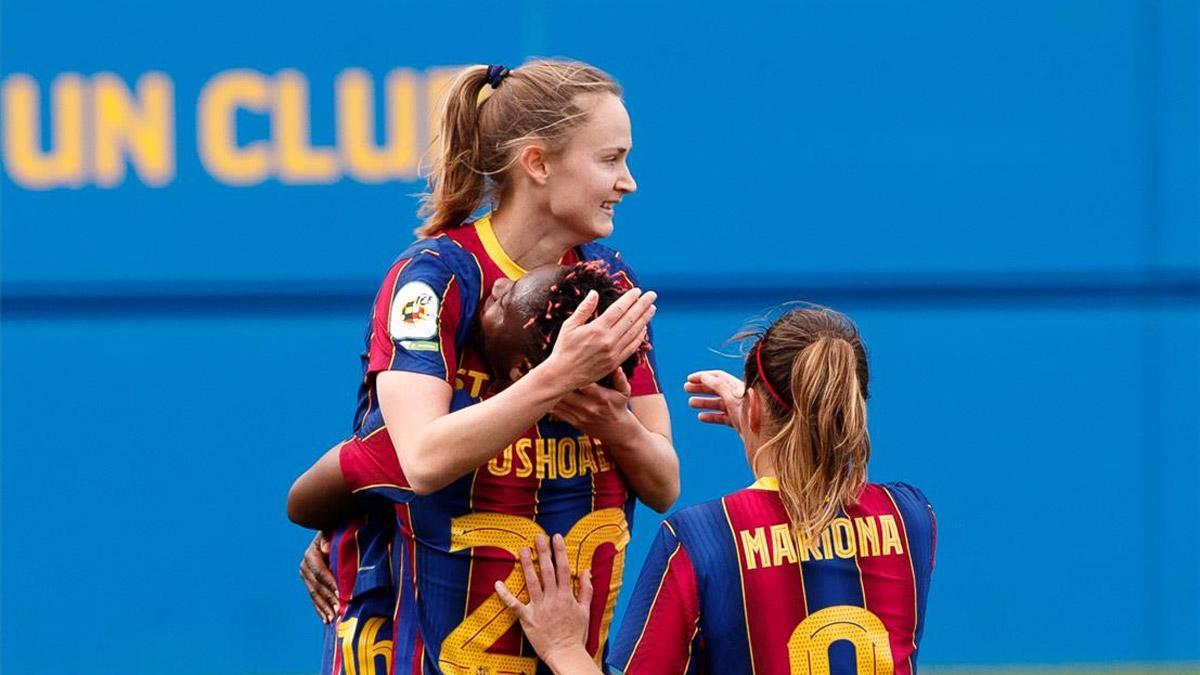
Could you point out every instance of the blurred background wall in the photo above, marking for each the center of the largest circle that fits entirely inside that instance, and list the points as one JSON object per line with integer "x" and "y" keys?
{"x": 200, "y": 199}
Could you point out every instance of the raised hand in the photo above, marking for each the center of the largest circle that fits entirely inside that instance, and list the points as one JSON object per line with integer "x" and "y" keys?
{"x": 597, "y": 410}
{"x": 586, "y": 351}
{"x": 720, "y": 400}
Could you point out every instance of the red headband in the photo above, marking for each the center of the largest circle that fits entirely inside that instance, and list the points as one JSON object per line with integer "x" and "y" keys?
{"x": 762, "y": 375}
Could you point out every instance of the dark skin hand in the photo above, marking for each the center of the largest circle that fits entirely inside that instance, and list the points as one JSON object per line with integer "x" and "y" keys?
{"x": 318, "y": 578}
{"x": 320, "y": 499}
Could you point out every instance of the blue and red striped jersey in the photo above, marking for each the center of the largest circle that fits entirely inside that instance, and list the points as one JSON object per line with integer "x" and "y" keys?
{"x": 552, "y": 479}
{"x": 727, "y": 589}
{"x": 360, "y": 639}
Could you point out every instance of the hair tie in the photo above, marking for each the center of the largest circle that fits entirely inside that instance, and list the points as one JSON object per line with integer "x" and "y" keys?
{"x": 496, "y": 75}
{"x": 762, "y": 375}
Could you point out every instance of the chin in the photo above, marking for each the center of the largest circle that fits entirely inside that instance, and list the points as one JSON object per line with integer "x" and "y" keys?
{"x": 602, "y": 228}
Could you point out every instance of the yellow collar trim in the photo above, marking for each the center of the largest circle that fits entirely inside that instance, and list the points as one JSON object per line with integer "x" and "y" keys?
{"x": 487, "y": 236}
{"x": 766, "y": 483}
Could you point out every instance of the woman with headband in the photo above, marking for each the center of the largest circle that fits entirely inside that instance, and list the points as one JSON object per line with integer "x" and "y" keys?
{"x": 809, "y": 570}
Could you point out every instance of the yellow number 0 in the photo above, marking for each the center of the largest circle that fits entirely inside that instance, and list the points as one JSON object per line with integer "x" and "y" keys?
{"x": 361, "y": 660}
{"x": 808, "y": 647}
{"x": 465, "y": 649}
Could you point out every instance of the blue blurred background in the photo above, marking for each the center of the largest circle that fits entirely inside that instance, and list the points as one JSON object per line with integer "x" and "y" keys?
{"x": 199, "y": 201}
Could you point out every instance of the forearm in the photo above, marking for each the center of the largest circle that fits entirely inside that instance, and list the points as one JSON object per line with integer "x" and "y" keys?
{"x": 457, "y": 443}
{"x": 648, "y": 461}
{"x": 319, "y": 498}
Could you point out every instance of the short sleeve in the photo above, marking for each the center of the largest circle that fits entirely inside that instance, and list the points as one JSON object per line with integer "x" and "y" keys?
{"x": 416, "y": 318}
{"x": 370, "y": 466}
{"x": 659, "y": 633}
{"x": 644, "y": 381}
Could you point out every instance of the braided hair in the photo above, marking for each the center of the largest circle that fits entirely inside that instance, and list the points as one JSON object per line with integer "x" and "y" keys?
{"x": 562, "y": 299}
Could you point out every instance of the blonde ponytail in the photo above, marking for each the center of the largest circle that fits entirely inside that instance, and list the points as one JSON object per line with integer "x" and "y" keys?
{"x": 821, "y": 447}
{"x": 456, "y": 181}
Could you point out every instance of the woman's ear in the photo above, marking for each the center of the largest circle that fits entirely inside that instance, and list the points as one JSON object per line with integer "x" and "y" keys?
{"x": 532, "y": 162}
{"x": 752, "y": 410}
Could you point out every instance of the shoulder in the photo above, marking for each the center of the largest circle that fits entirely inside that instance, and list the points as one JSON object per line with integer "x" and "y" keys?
{"x": 699, "y": 522}
{"x": 906, "y": 493}
{"x": 912, "y": 504}
{"x": 436, "y": 261}
{"x": 610, "y": 256}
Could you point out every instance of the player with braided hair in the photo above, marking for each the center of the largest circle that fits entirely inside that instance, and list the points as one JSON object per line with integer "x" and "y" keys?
{"x": 540, "y": 303}
{"x": 544, "y": 146}
{"x": 517, "y": 329}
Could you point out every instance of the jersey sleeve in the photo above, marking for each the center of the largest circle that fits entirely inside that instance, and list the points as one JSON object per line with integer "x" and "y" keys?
{"x": 645, "y": 375}
{"x": 919, "y": 522}
{"x": 416, "y": 318}
{"x": 660, "y": 632}
{"x": 370, "y": 466}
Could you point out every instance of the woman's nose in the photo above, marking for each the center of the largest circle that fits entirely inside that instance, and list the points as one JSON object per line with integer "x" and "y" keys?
{"x": 626, "y": 183}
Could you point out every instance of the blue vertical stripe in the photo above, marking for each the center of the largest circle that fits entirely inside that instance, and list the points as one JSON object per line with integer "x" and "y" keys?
{"x": 918, "y": 527}
{"x": 705, "y": 533}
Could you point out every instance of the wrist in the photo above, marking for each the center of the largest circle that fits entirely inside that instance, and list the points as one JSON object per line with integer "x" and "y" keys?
{"x": 556, "y": 376}
{"x": 570, "y": 660}
{"x": 624, "y": 432}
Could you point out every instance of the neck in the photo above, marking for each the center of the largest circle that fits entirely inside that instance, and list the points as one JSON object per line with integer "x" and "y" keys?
{"x": 529, "y": 235}
{"x": 760, "y": 464}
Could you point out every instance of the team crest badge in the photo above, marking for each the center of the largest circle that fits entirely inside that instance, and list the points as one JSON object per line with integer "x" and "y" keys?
{"x": 414, "y": 312}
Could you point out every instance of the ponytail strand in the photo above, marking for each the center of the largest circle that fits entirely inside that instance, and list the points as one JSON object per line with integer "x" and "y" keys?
{"x": 821, "y": 447}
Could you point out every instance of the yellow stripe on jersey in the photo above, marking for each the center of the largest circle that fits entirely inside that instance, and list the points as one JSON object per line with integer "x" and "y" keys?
{"x": 487, "y": 236}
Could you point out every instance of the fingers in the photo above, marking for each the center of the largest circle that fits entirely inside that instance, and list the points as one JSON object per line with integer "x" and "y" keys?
{"x": 545, "y": 563}
{"x": 531, "y": 579}
{"x": 717, "y": 384}
{"x": 317, "y": 577}
{"x": 715, "y": 418}
{"x": 562, "y": 566}
{"x": 637, "y": 317}
{"x": 585, "y": 588}
{"x": 511, "y": 600}
{"x": 323, "y": 602}
{"x": 617, "y": 311}
{"x": 712, "y": 381}
{"x": 621, "y": 383}
{"x": 584, "y": 311}
{"x": 706, "y": 403}
{"x": 630, "y": 344}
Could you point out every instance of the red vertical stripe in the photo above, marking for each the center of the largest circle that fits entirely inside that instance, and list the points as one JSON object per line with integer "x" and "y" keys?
{"x": 449, "y": 317}
{"x": 602, "y": 588}
{"x": 665, "y": 643}
{"x": 382, "y": 349}
{"x": 609, "y": 491}
{"x": 510, "y": 494}
{"x": 346, "y": 553}
{"x": 773, "y": 594}
{"x": 888, "y": 583}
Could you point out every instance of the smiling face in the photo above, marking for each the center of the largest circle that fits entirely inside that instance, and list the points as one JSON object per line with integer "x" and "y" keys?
{"x": 589, "y": 175}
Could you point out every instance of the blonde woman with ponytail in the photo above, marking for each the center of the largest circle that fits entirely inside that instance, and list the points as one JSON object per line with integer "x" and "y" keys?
{"x": 811, "y": 569}
{"x": 490, "y": 459}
